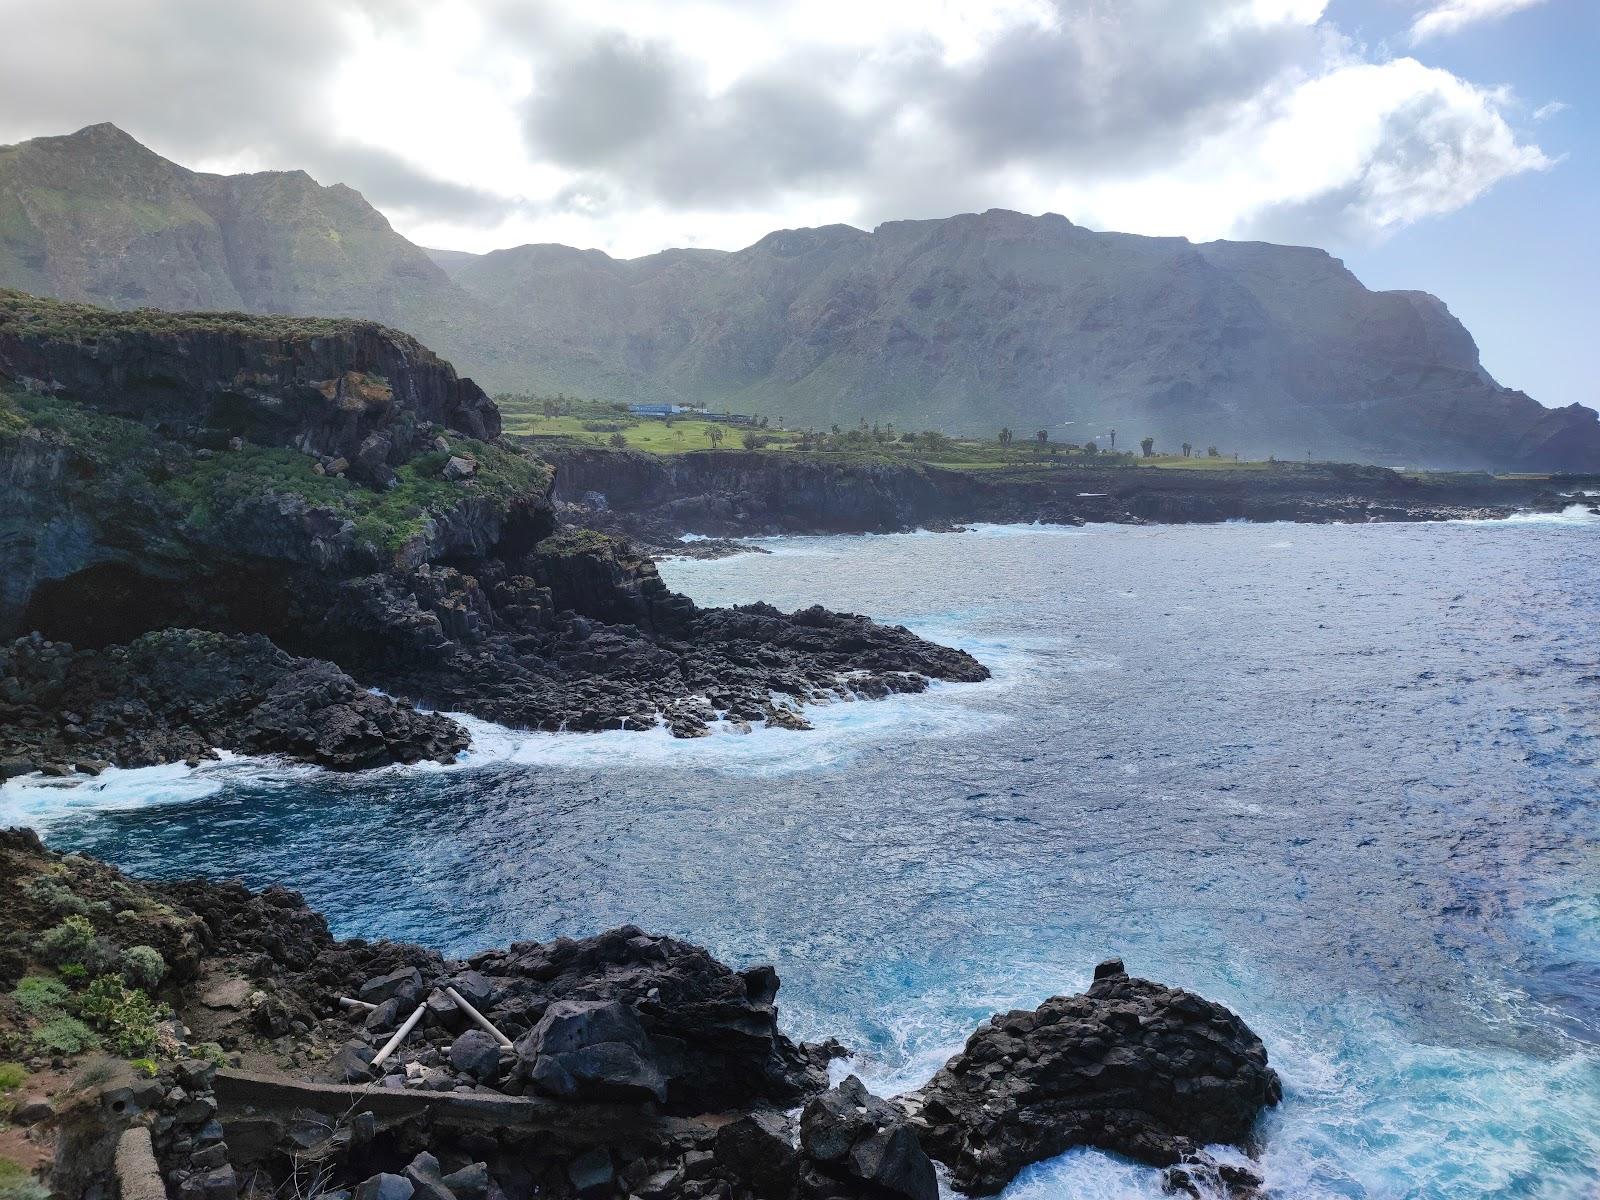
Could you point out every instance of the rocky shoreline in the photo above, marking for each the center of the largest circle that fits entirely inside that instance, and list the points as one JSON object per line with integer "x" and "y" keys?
{"x": 621, "y": 1065}
{"x": 222, "y": 530}
{"x": 724, "y": 495}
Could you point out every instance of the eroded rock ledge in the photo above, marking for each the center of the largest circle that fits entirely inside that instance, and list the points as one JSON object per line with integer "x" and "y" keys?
{"x": 639, "y": 1066}
{"x": 182, "y": 694}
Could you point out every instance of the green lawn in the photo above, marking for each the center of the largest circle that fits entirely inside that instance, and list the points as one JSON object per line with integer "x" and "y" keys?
{"x": 1177, "y": 462}
{"x": 641, "y": 433}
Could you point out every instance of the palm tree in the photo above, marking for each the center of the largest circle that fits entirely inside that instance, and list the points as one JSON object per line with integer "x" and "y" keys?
{"x": 1148, "y": 445}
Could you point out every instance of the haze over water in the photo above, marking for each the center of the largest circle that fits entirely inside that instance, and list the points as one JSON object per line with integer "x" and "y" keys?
{"x": 1339, "y": 778}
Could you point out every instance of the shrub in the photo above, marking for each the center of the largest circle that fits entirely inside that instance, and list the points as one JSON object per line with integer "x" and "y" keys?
{"x": 37, "y": 995}
{"x": 430, "y": 464}
{"x": 62, "y": 900}
{"x": 63, "y": 1035}
{"x": 145, "y": 1066}
{"x": 143, "y": 965}
{"x": 125, "y": 1015}
{"x": 617, "y": 440}
{"x": 17, "y": 1184}
{"x": 12, "y": 1076}
{"x": 70, "y": 941}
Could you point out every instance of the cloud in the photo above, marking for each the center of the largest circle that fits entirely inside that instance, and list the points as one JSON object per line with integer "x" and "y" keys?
{"x": 1452, "y": 16}
{"x": 241, "y": 84}
{"x": 634, "y": 126}
{"x": 1555, "y": 108}
{"x": 1418, "y": 142}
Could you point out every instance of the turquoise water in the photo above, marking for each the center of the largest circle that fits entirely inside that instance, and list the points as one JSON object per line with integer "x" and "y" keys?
{"x": 1342, "y": 779}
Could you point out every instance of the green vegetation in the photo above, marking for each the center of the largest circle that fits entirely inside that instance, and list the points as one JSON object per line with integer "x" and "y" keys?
{"x": 12, "y": 1076}
{"x": 71, "y": 941}
{"x": 63, "y": 1034}
{"x": 30, "y": 315}
{"x": 62, "y": 900}
{"x": 126, "y": 1015}
{"x": 124, "y": 467}
{"x": 143, "y": 965}
{"x": 38, "y": 995}
{"x": 17, "y": 1184}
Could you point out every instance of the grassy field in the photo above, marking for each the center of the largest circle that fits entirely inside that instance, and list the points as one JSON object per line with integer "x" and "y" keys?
{"x": 598, "y": 422}
{"x": 1175, "y": 462}
{"x": 646, "y": 433}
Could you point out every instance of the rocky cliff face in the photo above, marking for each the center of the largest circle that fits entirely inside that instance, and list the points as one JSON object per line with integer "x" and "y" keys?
{"x": 732, "y": 493}
{"x": 637, "y": 1065}
{"x": 999, "y": 318}
{"x": 968, "y": 323}
{"x": 334, "y": 486}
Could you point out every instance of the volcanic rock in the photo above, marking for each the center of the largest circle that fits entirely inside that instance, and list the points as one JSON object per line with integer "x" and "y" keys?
{"x": 1129, "y": 1066}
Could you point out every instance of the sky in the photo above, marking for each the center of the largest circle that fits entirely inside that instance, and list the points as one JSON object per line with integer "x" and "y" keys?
{"x": 1445, "y": 145}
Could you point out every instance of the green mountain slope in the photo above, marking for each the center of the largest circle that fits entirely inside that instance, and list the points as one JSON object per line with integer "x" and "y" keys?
{"x": 965, "y": 324}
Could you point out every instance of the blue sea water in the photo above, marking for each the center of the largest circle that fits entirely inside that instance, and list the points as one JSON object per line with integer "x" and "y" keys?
{"x": 1340, "y": 778}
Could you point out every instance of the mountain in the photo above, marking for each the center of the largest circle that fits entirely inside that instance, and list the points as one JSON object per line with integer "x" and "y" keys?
{"x": 966, "y": 323}
{"x": 997, "y": 318}
{"x": 97, "y": 217}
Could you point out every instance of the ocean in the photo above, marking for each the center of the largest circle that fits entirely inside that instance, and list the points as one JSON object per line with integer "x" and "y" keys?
{"x": 1342, "y": 779}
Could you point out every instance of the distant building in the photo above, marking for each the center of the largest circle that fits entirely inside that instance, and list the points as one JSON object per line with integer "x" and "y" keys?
{"x": 690, "y": 410}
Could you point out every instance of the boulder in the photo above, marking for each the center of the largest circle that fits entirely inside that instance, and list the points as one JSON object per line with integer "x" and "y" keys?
{"x": 30, "y": 1110}
{"x": 712, "y": 1031}
{"x": 426, "y": 1179}
{"x": 477, "y": 1054}
{"x": 1130, "y": 1066}
{"x": 352, "y": 1064}
{"x": 458, "y": 467}
{"x": 404, "y": 985}
{"x": 475, "y": 988}
{"x": 218, "y": 1184}
{"x": 592, "y": 1172}
{"x": 471, "y": 1182}
{"x": 385, "y": 1186}
{"x": 849, "y": 1134}
{"x": 756, "y": 1148}
{"x": 591, "y": 1050}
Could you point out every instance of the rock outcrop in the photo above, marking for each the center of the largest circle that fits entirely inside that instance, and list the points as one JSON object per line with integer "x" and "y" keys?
{"x": 183, "y": 694}
{"x": 293, "y": 479}
{"x": 737, "y": 493}
{"x": 855, "y": 1141}
{"x": 641, "y": 1067}
{"x": 1152, "y": 1072}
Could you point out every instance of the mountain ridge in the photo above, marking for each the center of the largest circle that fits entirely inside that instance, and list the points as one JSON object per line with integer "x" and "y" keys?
{"x": 964, "y": 323}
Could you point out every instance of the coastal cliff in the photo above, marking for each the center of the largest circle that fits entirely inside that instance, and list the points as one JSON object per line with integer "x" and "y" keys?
{"x": 254, "y": 1054}
{"x": 336, "y": 488}
{"x": 734, "y": 493}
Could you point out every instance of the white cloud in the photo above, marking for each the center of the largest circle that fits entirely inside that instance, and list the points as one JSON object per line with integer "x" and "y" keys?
{"x": 1452, "y": 16}
{"x": 632, "y": 125}
{"x": 1555, "y": 108}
